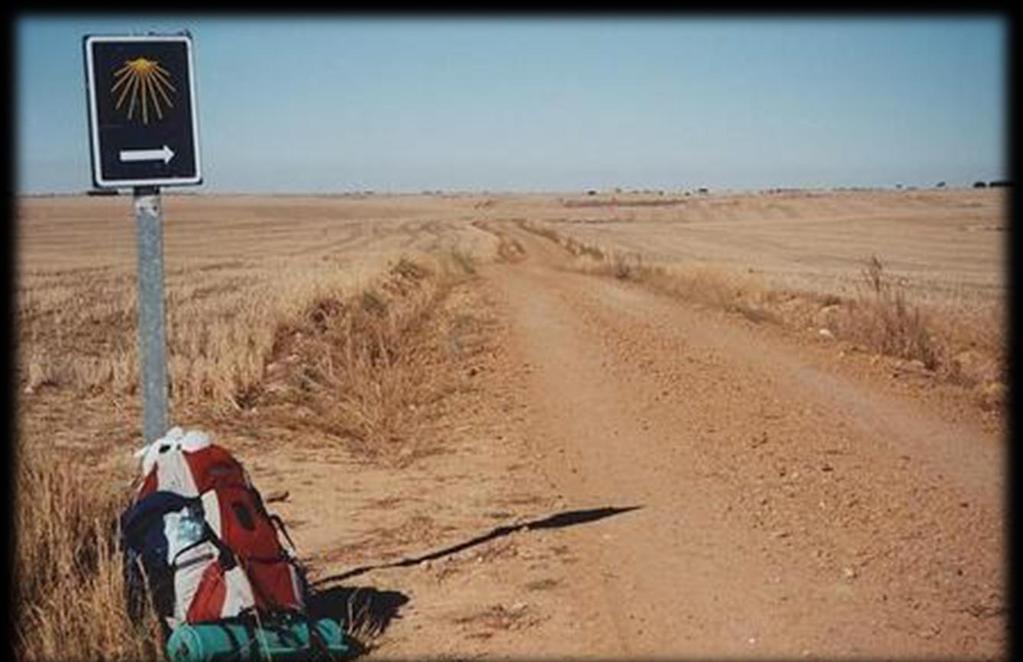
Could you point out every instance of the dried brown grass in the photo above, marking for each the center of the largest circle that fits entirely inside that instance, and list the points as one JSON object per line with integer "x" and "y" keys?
{"x": 362, "y": 369}
{"x": 69, "y": 583}
{"x": 882, "y": 318}
{"x": 963, "y": 344}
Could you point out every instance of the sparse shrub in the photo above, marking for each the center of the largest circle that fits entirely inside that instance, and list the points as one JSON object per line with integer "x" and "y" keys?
{"x": 883, "y": 319}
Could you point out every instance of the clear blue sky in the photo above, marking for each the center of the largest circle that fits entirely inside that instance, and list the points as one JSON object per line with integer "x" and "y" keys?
{"x": 328, "y": 103}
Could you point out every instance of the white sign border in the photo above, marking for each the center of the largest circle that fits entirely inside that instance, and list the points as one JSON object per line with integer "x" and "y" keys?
{"x": 97, "y": 170}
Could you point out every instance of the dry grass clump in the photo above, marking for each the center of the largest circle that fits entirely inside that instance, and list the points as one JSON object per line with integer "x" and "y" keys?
{"x": 883, "y": 319}
{"x": 360, "y": 368}
{"x": 69, "y": 584}
{"x": 964, "y": 344}
{"x": 704, "y": 284}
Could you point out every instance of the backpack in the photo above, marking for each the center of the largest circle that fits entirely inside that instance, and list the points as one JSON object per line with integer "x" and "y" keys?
{"x": 199, "y": 540}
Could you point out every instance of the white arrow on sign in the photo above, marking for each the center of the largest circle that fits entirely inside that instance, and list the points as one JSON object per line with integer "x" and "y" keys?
{"x": 164, "y": 154}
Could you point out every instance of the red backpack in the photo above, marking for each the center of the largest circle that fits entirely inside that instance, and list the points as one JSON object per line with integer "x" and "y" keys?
{"x": 222, "y": 549}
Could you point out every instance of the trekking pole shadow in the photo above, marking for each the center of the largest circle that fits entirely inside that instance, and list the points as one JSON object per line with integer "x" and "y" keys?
{"x": 558, "y": 520}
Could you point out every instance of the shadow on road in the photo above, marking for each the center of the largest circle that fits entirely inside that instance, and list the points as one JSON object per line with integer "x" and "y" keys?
{"x": 558, "y": 520}
{"x": 365, "y": 611}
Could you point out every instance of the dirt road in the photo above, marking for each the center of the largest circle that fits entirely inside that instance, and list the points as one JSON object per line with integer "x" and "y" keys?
{"x": 785, "y": 502}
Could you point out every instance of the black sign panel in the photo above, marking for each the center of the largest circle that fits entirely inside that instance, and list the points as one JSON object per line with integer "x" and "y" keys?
{"x": 142, "y": 120}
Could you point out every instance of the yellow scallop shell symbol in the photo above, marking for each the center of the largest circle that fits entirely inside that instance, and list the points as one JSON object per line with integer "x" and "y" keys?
{"x": 145, "y": 85}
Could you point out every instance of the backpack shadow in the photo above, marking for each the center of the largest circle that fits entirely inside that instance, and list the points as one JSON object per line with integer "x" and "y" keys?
{"x": 366, "y": 612}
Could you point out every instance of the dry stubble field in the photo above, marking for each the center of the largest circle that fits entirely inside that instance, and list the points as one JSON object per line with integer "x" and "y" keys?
{"x": 280, "y": 309}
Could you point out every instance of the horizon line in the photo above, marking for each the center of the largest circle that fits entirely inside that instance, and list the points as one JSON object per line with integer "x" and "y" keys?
{"x": 701, "y": 190}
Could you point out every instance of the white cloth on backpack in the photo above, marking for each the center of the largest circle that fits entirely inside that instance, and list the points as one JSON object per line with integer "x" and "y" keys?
{"x": 194, "y": 440}
{"x": 175, "y": 439}
{"x": 149, "y": 452}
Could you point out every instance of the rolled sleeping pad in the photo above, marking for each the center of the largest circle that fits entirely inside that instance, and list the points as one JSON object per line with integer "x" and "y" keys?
{"x": 236, "y": 640}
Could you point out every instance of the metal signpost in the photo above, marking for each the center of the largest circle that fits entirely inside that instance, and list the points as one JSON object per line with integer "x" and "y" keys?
{"x": 143, "y": 134}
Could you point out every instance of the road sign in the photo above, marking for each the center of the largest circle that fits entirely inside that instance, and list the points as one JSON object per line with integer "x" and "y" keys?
{"x": 142, "y": 119}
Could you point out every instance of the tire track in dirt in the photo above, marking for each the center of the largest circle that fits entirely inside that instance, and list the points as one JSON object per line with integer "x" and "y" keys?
{"x": 788, "y": 510}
